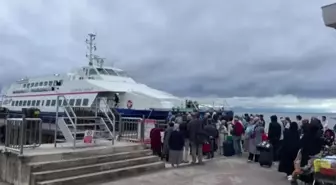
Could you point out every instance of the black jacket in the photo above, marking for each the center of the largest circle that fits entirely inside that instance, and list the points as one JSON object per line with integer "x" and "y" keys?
{"x": 274, "y": 131}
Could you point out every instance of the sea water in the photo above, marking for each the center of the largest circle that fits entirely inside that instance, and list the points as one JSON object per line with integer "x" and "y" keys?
{"x": 292, "y": 116}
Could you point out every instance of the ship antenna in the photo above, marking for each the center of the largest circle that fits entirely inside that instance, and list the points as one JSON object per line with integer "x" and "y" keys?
{"x": 91, "y": 46}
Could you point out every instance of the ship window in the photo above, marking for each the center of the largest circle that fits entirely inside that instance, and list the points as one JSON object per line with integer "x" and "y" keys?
{"x": 28, "y": 85}
{"x": 122, "y": 73}
{"x": 13, "y": 103}
{"x": 60, "y": 82}
{"x": 16, "y": 103}
{"x": 45, "y": 83}
{"x": 20, "y": 103}
{"x": 38, "y": 102}
{"x": 50, "y": 83}
{"x": 59, "y": 102}
{"x": 28, "y": 103}
{"x": 65, "y": 103}
{"x": 42, "y": 103}
{"x": 53, "y": 102}
{"x": 24, "y": 103}
{"x": 24, "y": 85}
{"x": 92, "y": 72}
{"x": 85, "y": 102}
{"x": 33, "y": 102}
{"x": 41, "y": 84}
{"x": 78, "y": 102}
{"x": 48, "y": 103}
{"x": 36, "y": 84}
{"x": 72, "y": 102}
{"x": 102, "y": 71}
{"x": 32, "y": 85}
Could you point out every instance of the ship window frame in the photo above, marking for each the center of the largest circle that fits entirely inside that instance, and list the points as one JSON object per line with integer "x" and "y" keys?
{"x": 33, "y": 103}
{"x": 28, "y": 103}
{"x": 53, "y": 103}
{"x": 24, "y": 85}
{"x": 65, "y": 103}
{"x": 72, "y": 102}
{"x": 20, "y": 103}
{"x": 78, "y": 102}
{"x": 45, "y": 83}
{"x": 94, "y": 71}
{"x": 28, "y": 85}
{"x": 38, "y": 102}
{"x": 48, "y": 103}
{"x": 50, "y": 83}
{"x": 13, "y": 103}
{"x": 36, "y": 84}
{"x": 40, "y": 83}
{"x": 42, "y": 103}
{"x": 31, "y": 84}
{"x": 17, "y": 103}
{"x": 85, "y": 102}
{"x": 61, "y": 82}
{"x": 24, "y": 103}
{"x": 60, "y": 102}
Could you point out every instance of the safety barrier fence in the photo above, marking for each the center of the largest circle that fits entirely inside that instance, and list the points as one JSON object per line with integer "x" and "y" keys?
{"x": 22, "y": 133}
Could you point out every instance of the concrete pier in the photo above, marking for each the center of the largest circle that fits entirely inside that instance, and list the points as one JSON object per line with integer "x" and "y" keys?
{"x": 220, "y": 171}
{"x": 101, "y": 162}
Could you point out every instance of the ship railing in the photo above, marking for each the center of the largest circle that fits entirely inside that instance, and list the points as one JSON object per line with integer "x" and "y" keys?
{"x": 22, "y": 133}
{"x": 107, "y": 110}
{"x": 72, "y": 119}
{"x": 138, "y": 129}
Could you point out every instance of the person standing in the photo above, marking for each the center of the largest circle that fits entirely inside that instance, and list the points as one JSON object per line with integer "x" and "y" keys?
{"x": 289, "y": 150}
{"x": 212, "y": 133}
{"x": 176, "y": 143}
{"x": 166, "y": 138}
{"x": 196, "y": 138}
{"x": 185, "y": 132}
{"x": 274, "y": 135}
{"x": 237, "y": 133}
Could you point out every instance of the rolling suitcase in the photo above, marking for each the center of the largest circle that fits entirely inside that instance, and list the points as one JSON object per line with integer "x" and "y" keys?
{"x": 228, "y": 149}
{"x": 266, "y": 154}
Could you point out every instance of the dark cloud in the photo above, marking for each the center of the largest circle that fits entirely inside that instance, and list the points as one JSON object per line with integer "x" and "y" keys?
{"x": 197, "y": 48}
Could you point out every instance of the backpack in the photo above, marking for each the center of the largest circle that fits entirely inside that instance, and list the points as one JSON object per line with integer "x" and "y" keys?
{"x": 238, "y": 129}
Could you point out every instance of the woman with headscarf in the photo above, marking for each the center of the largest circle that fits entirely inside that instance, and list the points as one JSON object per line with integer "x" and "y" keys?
{"x": 223, "y": 133}
{"x": 166, "y": 138}
{"x": 176, "y": 144}
{"x": 289, "y": 149}
{"x": 255, "y": 138}
{"x": 311, "y": 145}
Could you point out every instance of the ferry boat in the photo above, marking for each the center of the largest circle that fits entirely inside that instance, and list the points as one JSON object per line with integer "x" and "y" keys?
{"x": 83, "y": 86}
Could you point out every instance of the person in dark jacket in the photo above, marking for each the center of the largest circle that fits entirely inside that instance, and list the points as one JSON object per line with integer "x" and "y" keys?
{"x": 184, "y": 130}
{"x": 176, "y": 144}
{"x": 195, "y": 129}
{"x": 289, "y": 149}
{"x": 274, "y": 134}
{"x": 155, "y": 139}
{"x": 212, "y": 133}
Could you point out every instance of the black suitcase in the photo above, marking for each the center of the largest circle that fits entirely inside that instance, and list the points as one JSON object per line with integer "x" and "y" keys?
{"x": 266, "y": 154}
{"x": 228, "y": 149}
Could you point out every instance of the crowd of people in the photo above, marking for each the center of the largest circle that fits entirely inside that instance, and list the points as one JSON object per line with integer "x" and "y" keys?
{"x": 293, "y": 142}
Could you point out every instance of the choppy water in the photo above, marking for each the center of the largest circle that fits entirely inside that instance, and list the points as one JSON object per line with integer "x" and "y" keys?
{"x": 292, "y": 116}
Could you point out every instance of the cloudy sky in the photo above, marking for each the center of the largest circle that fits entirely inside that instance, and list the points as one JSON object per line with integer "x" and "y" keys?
{"x": 278, "y": 49}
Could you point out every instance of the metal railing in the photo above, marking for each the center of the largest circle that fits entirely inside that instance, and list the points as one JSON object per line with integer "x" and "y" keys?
{"x": 106, "y": 110}
{"x": 23, "y": 133}
{"x": 130, "y": 129}
{"x": 73, "y": 118}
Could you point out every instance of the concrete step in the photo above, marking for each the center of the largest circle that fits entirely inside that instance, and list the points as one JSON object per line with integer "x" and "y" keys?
{"x": 62, "y": 164}
{"x": 87, "y": 169}
{"x": 104, "y": 176}
{"x": 80, "y": 153}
